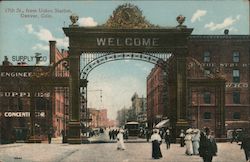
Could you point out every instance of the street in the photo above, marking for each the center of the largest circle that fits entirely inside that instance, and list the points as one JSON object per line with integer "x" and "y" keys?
{"x": 137, "y": 151}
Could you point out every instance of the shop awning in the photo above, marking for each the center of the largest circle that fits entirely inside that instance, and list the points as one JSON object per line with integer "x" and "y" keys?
{"x": 163, "y": 123}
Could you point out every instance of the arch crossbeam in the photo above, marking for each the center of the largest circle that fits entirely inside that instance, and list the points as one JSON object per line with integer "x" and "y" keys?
{"x": 94, "y": 60}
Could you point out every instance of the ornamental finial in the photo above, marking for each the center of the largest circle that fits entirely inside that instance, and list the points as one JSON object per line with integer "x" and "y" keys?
{"x": 74, "y": 18}
{"x": 180, "y": 19}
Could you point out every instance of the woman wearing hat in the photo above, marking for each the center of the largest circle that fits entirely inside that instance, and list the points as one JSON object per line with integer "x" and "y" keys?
{"x": 196, "y": 141}
{"x": 188, "y": 142}
{"x": 156, "y": 142}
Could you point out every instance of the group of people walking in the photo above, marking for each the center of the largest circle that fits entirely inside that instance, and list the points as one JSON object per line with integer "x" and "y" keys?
{"x": 198, "y": 142}
{"x": 192, "y": 141}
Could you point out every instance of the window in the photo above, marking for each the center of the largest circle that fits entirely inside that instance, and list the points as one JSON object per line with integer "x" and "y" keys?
{"x": 207, "y": 72}
{"x": 236, "y": 97}
{"x": 236, "y": 115}
{"x": 207, "y": 97}
{"x": 236, "y": 75}
{"x": 206, "y": 56}
{"x": 236, "y": 56}
{"x": 207, "y": 115}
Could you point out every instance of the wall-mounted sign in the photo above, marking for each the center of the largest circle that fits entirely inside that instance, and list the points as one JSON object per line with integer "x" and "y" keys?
{"x": 28, "y": 58}
{"x": 24, "y": 94}
{"x": 21, "y": 114}
{"x": 236, "y": 85}
{"x": 16, "y": 114}
{"x": 16, "y": 74}
{"x": 225, "y": 65}
{"x": 146, "y": 42}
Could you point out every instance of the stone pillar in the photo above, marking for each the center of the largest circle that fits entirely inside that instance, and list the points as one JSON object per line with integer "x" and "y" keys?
{"x": 181, "y": 90}
{"x": 74, "y": 97}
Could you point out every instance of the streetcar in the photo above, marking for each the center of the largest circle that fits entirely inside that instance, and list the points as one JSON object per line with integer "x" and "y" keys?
{"x": 132, "y": 128}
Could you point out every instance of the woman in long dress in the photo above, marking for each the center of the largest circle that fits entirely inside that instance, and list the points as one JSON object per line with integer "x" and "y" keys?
{"x": 120, "y": 141}
{"x": 156, "y": 142}
{"x": 196, "y": 141}
{"x": 188, "y": 142}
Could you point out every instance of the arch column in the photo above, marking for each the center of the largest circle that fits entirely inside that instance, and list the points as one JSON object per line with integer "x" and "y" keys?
{"x": 181, "y": 90}
{"x": 74, "y": 97}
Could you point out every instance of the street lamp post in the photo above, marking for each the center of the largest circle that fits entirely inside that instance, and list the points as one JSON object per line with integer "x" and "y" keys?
{"x": 198, "y": 109}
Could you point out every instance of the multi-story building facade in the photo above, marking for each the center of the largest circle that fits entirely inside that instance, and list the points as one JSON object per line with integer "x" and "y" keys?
{"x": 139, "y": 105}
{"x": 99, "y": 118}
{"x": 156, "y": 96}
{"x": 227, "y": 56}
{"x": 21, "y": 98}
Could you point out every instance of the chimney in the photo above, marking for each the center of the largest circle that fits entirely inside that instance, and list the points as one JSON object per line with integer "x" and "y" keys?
{"x": 52, "y": 51}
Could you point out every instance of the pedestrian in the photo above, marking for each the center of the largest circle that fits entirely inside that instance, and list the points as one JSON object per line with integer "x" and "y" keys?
{"x": 120, "y": 141}
{"x": 50, "y": 133}
{"x": 182, "y": 136}
{"x": 167, "y": 138}
{"x": 113, "y": 134}
{"x": 63, "y": 136}
{"x": 126, "y": 134}
{"x": 196, "y": 141}
{"x": 110, "y": 135}
{"x": 234, "y": 136}
{"x": 188, "y": 142}
{"x": 156, "y": 142}
{"x": 245, "y": 145}
{"x": 148, "y": 133}
{"x": 208, "y": 146}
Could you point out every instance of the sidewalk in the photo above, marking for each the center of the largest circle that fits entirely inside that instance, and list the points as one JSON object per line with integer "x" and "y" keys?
{"x": 57, "y": 140}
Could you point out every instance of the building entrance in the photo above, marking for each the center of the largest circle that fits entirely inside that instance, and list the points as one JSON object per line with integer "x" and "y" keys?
{"x": 126, "y": 31}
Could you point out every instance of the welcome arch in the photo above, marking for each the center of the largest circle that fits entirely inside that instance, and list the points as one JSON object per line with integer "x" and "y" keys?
{"x": 126, "y": 31}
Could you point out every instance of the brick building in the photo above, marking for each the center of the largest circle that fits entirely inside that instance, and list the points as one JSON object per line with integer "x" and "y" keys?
{"x": 227, "y": 56}
{"x": 99, "y": 118}
{"x": 21, "y": 95}
{"x": 156, "y": 108}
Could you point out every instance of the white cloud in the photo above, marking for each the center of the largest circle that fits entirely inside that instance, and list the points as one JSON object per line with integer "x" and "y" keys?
{"x": 229, "y": 21}
{"x": 45, "y": 36}
{"x": 29, "y": 28}
{"x": 87, "y": 21}
{"x": 40, "y": 47}
{"x": 63, "y": 42}
{"x": 197, "y": 15}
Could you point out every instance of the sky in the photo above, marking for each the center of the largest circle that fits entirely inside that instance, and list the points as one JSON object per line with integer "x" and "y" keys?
{"x": 118, "y": 80}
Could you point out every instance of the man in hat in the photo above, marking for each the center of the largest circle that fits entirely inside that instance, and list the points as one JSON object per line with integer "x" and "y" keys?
{"x": 245, "y": 145}
{"x": 167, "y": 138}
{"x": 208, "y": 146}
{"x": 182, "y": 136}
{"x": 156, "y": 142}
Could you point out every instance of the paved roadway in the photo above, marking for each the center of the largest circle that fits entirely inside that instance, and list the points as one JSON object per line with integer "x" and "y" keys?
{"x": 106, "y": 152}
